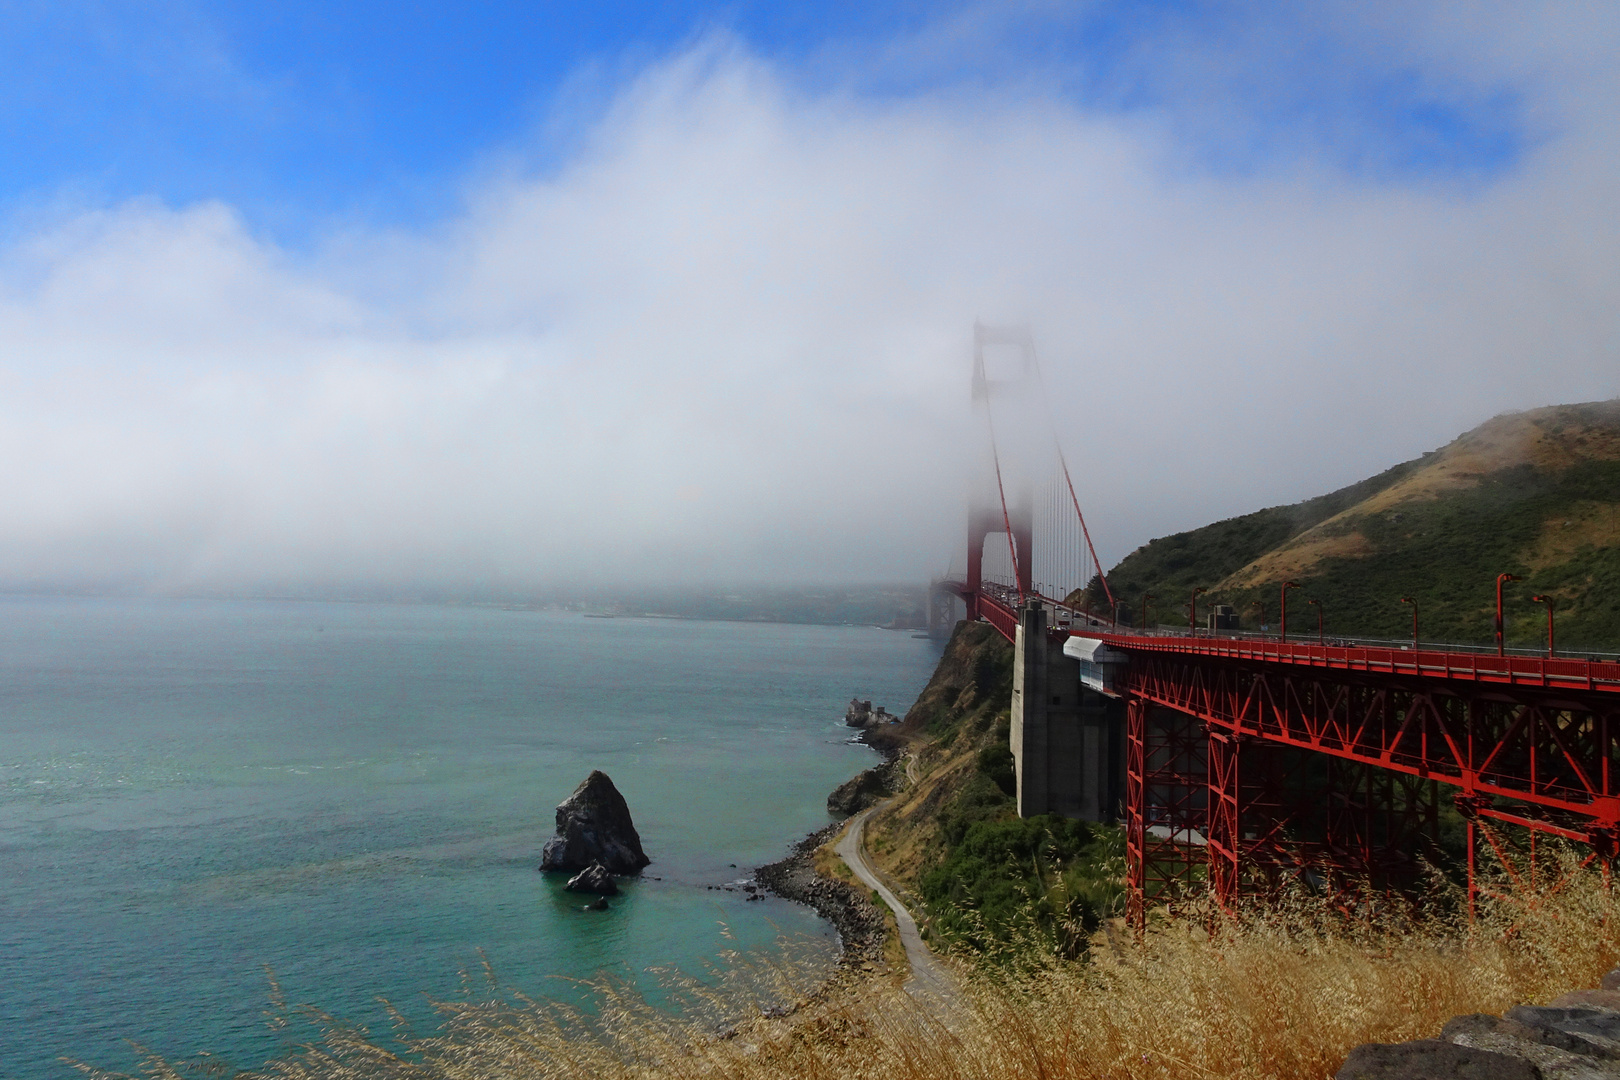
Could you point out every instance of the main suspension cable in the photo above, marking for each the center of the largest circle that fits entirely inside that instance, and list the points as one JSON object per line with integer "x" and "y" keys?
{"x": 1051, "y": 420}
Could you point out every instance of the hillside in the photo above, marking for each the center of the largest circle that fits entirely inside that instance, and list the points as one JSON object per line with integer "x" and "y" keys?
{"x": 1535, "y": 493}
{"x": 980, "y": 876}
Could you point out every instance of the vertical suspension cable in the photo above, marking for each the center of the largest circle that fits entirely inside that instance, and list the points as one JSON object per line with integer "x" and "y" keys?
{"x": 1051, "y": 420}
{"x": 1106, "y": 590}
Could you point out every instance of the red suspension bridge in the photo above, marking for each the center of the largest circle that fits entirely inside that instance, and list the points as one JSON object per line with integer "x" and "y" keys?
{"x": 1250, "y": 761}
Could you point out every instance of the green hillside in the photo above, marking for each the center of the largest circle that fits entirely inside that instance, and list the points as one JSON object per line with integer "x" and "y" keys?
{"x": 1535, "y": 494}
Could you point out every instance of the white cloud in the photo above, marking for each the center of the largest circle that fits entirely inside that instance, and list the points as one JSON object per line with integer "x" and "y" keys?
{"x": 729, "y": 340}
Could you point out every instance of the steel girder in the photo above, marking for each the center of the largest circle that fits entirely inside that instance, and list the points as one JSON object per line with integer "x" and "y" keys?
{"x": 1552, "y": 751}
{"x": 1335, "y": 773}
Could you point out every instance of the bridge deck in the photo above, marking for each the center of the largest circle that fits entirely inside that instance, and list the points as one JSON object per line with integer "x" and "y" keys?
{"x": 998, "y": 604}
{"x": 1527, "y": 671}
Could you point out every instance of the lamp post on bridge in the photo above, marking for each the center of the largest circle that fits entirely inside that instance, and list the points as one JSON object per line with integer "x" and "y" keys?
{"x": 1409, "y": 600}
{"x": 1318, "y": 605}
{"x": 1282, "y": 617}
{"x": 1192, "y": 612}
{"x": 1549, "y": 602}
{"x": 1261, "y": 604}
{"x": 1501, "y": 649}
{"x": 1145, "y": 598}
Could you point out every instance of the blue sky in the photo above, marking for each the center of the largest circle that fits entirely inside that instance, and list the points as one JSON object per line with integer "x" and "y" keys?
{"x": 299, "y": 112}
{"x": 496, "y": 296}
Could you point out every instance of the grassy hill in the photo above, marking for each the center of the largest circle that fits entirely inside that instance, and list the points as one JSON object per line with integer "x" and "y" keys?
{"x": 1535, "y": 493}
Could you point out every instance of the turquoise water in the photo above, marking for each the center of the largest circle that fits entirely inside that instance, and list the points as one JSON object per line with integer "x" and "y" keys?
{"x": 355, "y": 796}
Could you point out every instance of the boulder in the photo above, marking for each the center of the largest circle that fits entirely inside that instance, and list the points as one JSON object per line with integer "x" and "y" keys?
{"x": 1597, "y": 1030}
{"x": 1477, "y": 1025}
{"x": 1559, "y": 1056}
{"x": 1597, "y": 999}
{"x": 594, "y": 826}
{"x": 1431, "y": 1059}
{"x": 593, "y": 879}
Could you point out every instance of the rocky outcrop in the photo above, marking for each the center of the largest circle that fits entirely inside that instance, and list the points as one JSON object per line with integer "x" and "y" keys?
{"x": 860, "y": 714}
{"x": 593, "y": 879}
{"x": 594, "y": 826}
{"x": 862, "y": 790}
{"x": 1574, "y": 1037}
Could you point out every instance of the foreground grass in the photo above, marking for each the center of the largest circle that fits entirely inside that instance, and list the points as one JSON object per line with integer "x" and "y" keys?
{"x": 1282, "y": 995}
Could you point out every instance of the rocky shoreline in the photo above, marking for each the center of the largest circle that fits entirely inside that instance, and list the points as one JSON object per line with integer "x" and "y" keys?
{"x": 859, "y": 922}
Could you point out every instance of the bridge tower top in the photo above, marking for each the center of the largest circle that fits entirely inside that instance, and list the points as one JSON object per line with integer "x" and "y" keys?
{"x": 1018, "y": 337}
{"x": 992, "y": 511}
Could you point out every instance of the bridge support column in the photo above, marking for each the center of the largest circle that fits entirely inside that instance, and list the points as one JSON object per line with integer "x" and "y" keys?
{"x": 942, "y": 607}
{"x": 1223, "y": 837}
{"x": 1067, "y": 742}
{"x": 1167, "y": 794}
{"x": 1031, "y": 713}
{"x": 1135, "y": 813}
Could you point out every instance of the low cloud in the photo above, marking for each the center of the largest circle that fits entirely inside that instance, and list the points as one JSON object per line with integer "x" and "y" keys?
{"x": 728, "y": 340}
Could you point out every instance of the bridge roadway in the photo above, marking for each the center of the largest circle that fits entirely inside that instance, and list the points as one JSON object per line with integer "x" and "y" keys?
{"x": 1531, "y": 741}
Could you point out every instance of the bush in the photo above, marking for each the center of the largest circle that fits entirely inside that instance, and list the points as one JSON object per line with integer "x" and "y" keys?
{"x": 1043, "y": 877}
{"x": 996, "y": 762}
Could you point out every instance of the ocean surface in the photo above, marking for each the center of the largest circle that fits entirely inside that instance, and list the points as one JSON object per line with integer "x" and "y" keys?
{"x": 354, "y": 797}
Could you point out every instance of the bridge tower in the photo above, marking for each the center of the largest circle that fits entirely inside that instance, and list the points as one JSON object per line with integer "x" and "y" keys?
{"x": 991, "y": 512}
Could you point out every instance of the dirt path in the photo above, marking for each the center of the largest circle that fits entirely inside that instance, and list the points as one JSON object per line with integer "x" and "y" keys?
{"x": 929, "y": 981}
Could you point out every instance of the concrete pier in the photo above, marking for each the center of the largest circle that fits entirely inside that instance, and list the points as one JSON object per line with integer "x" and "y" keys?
{"x": 1068, "y": 742}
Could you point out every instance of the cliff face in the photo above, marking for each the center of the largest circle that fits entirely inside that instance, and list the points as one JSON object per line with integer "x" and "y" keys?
{"x": 1535, "y": 494}
{"x": 979, "y": 875}
{"x": 961, "y": 714}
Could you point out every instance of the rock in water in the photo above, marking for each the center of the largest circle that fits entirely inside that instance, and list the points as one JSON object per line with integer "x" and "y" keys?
{"x": 593, "y": 879}
{"x": 594, "y": 826}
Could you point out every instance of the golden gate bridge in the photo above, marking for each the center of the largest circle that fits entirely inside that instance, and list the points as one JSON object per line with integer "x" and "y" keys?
{"x": 1246, "y": 761}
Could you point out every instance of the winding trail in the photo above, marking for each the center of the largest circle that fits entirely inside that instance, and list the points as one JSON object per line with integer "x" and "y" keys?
{"x": 929, "y": 982}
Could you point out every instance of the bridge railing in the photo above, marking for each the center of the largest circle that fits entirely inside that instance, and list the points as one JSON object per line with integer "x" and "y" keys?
{"x": 1473, "y": 666}
{"x": 1591, "y": 671}
{"x": 1309, "y": 637}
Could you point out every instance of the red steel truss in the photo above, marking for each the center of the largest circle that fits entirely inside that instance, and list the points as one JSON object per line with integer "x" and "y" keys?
{"x": 1328, "y": 761}
{"x": 1167, "y": 801}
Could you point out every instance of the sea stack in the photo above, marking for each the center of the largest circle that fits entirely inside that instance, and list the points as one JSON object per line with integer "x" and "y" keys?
{"x": 594, "y": 827}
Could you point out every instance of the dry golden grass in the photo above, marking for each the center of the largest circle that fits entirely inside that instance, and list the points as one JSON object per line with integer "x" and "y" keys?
{"x": 1299, "y": 557}
{"x": 1550, "y": 438}
{"x": 1284, "y": 995}
{"x": 826, "y": 862}
{"x": 1586, "y": 524}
